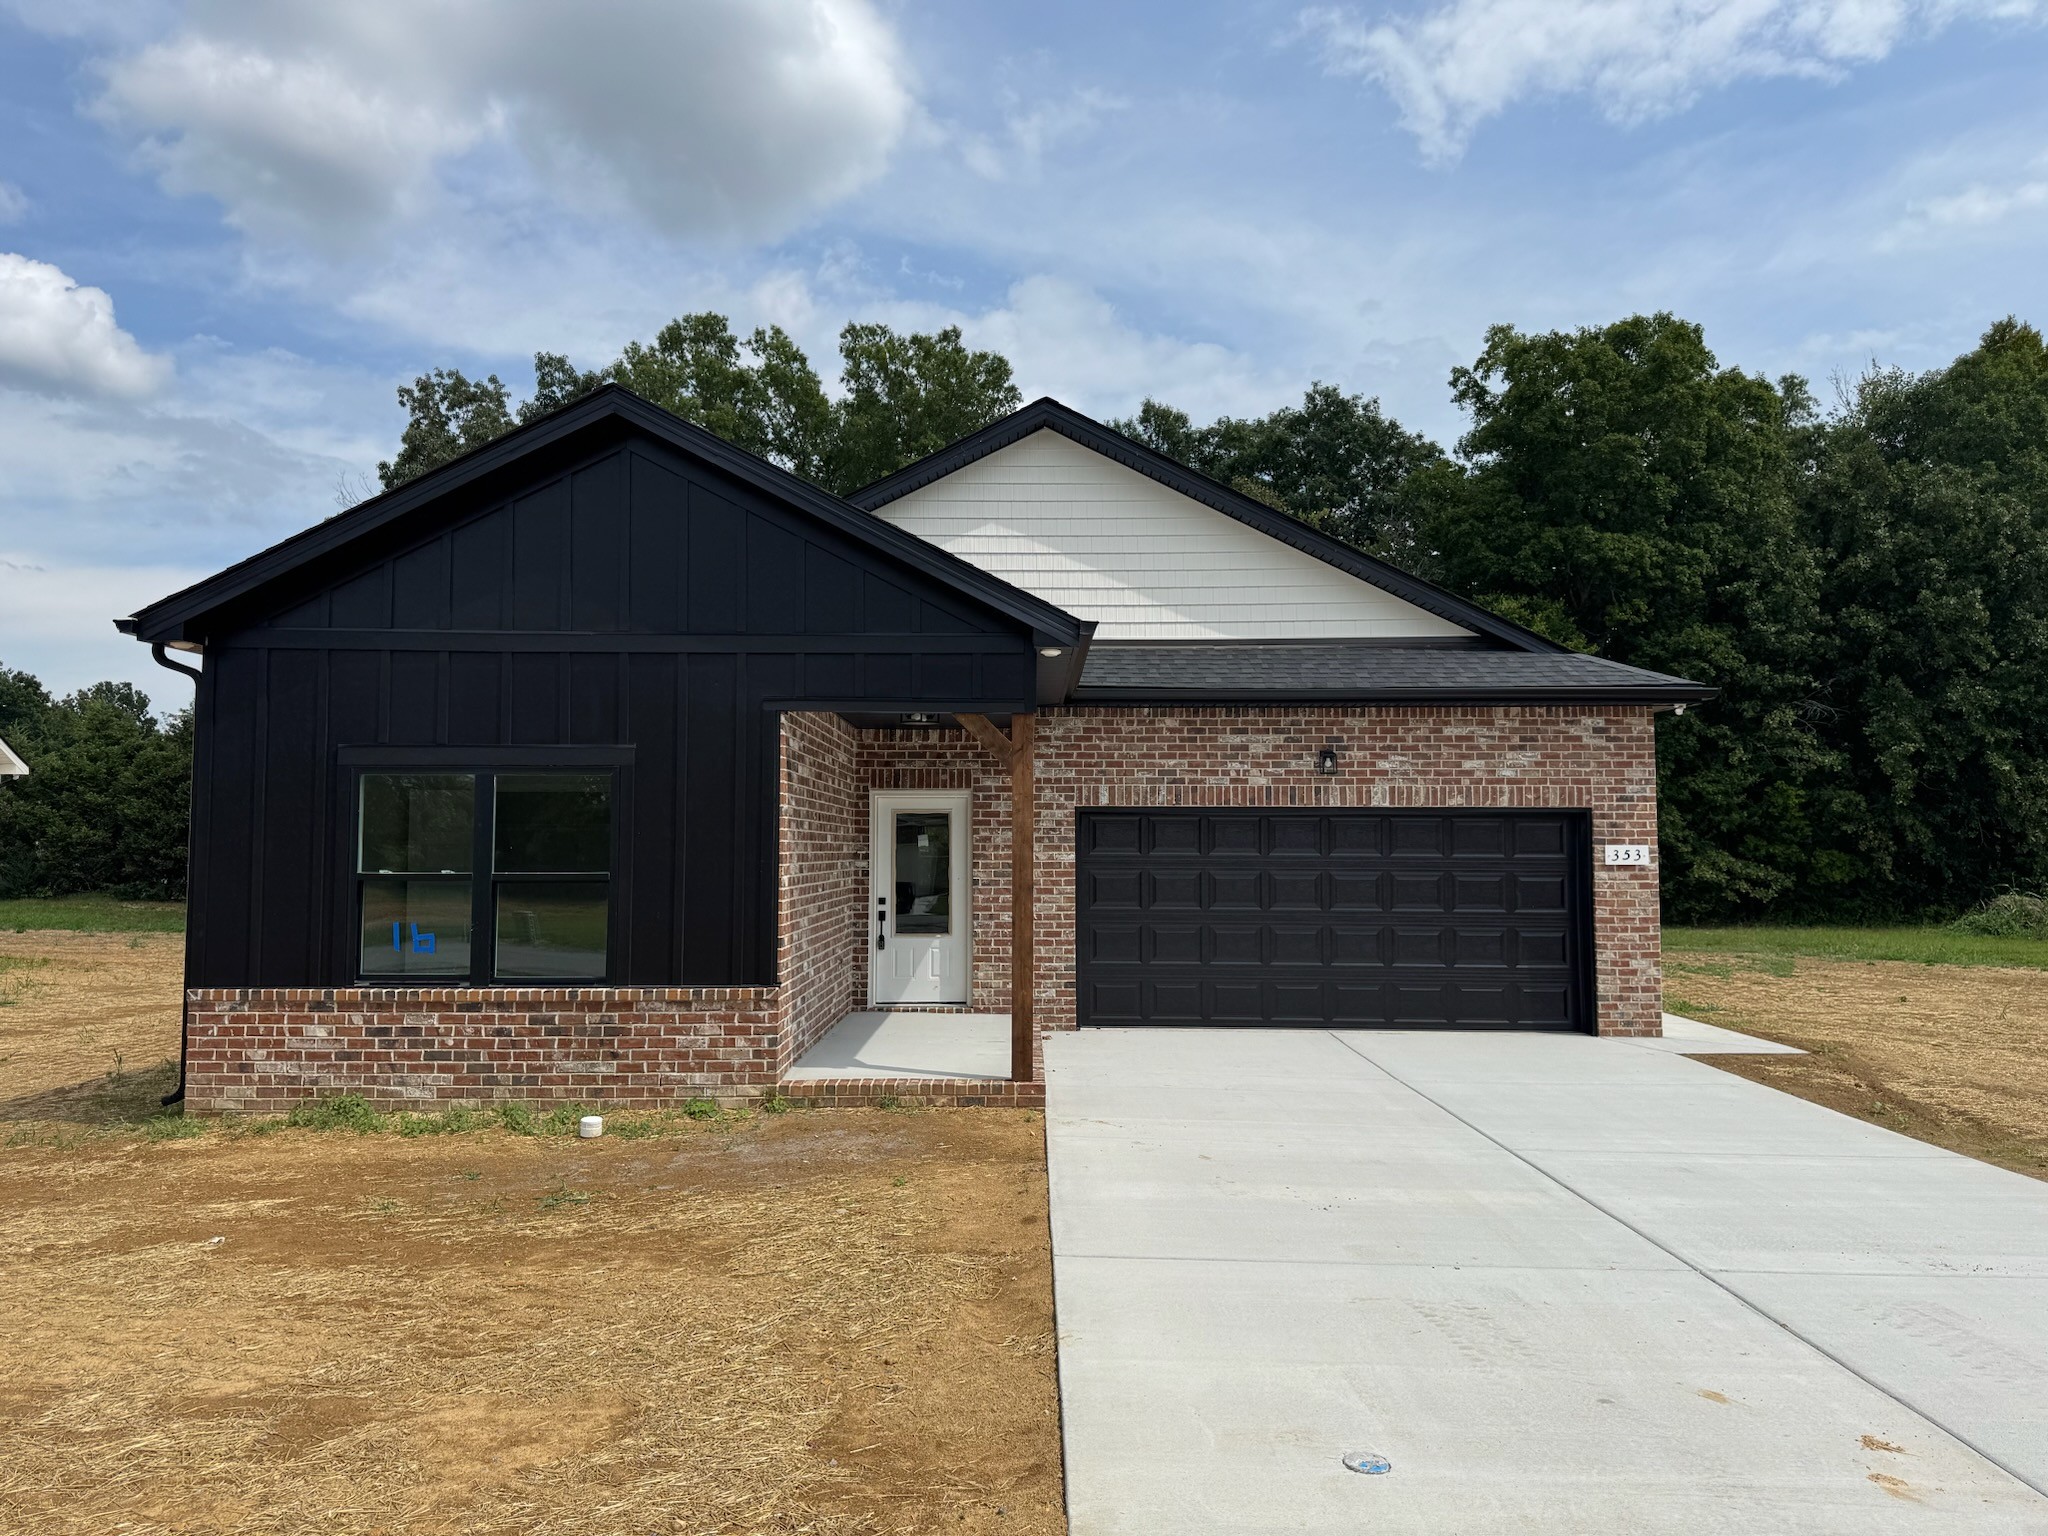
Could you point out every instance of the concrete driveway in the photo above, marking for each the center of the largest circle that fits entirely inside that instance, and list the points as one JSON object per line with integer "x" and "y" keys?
{"x": 1564, "y": 1285}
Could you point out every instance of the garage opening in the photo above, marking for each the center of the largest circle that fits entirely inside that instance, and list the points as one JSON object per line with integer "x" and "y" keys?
{"x": 1340, "y": 918}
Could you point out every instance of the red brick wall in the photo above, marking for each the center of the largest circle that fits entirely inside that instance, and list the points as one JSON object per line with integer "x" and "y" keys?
{"x": 1603, "y": 760}
{"x": 260, "y": 1051}
{"x": 823, "y": 889}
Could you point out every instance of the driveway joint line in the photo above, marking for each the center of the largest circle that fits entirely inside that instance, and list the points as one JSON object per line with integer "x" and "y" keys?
{"x": 1707, "y": 1275}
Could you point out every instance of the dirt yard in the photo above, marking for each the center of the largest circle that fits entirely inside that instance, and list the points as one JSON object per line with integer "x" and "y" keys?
{"x": 819, "y": 1322}
{"x": 1955, "y": 1055}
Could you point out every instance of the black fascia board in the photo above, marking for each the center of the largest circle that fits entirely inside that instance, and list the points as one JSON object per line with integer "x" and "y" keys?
{"x": 168, "y": 618}
{"x": 1047, "y": 413}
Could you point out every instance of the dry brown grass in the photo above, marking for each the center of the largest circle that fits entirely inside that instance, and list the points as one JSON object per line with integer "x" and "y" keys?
{"x": 88, "y": 1024}
{"x": 1954, "y": 1055}
{"x": 829, "y": 1322}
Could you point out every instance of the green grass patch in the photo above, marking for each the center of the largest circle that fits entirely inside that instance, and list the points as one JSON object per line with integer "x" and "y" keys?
{"x": 1915, "y": 946}
{"x": 91, "y": 914}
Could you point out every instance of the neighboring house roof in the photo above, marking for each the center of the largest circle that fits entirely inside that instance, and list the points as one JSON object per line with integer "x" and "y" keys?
{"x": 11, "y": 765}
{"x": 182, "y": 616}
{"x": 1223, "y": 672}
{"x": 1091, "y": 535}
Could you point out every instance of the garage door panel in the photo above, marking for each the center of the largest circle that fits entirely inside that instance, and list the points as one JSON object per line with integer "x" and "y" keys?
{"x": 1456, "y": 919}
{"x": 1234, "y": 835}
{"x": 1418, "y": 946}
{"x": 1357, "y": 836}
{"x": 1237, "y": 1002}
{"x": 1115, "y": 944}
{"x": 1295, "y": 944}
{"x": 1351, "y": 945}
{"x": 1115, "y": 1002}
{"x": 1475, "y": 837}
{"x": 1416, "y": 835}
{"x": 1479, "y": 893}
{"x": 1479, "y": 947}
{"x": 1296, "y": 890}
{"x": 1295, "y": 836}
{"x": 1236, "y": 944}
{"x": 1112, "y": 832}
{"x": 1235, "y": 890}
{"x": 1412, "y": 891}
{"x": 1120, "y": 890}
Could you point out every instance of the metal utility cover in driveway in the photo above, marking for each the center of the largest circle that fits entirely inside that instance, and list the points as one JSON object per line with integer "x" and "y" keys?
{"x": 1561, "y": 1284}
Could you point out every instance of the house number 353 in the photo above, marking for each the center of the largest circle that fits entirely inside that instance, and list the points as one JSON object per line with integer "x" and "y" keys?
{"x": 1637, "y": 854}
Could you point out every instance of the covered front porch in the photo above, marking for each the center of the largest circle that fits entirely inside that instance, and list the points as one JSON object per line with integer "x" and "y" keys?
{"x": 907, "y": 887}
{"x": 911, "y": 1057}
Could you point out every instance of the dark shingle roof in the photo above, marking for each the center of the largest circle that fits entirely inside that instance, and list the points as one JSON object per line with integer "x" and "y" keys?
{"x": 1225, "y": 671}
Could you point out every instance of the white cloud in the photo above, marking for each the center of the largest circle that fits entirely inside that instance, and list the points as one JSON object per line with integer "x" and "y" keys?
{"x": 1031, "y": 129}
{"x": 56, "y": 621}
{"x": 55, "y": 334}
{"x": 704, "y": 117}
{"x": 1451, "y": 67}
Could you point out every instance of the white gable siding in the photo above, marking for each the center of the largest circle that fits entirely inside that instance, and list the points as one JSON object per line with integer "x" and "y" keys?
{"x": 1146, "y": 563}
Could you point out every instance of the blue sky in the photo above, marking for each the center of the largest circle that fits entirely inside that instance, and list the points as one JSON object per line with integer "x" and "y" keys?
{"x": 229, "y": 228}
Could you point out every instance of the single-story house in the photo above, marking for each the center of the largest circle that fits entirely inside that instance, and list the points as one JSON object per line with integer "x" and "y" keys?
{"x": 11, "y": 764}
{"x": 611, "y": 763}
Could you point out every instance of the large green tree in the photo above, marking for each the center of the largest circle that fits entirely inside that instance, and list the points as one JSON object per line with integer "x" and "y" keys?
{"x": 902, "y": 397}
{"x": 1623, "y": 493}
{"x": 1928, "y": 507}
{"x": 105, "y": 803}
{"x": 1336, "y": 461}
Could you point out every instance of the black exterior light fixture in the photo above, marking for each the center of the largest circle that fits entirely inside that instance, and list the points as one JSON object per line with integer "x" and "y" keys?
{"x": 918, "y": 720}
{"x": 1326, "y": 762}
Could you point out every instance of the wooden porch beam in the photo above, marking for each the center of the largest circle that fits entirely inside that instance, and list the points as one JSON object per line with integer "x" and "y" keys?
{"x": 1016, "y": 751}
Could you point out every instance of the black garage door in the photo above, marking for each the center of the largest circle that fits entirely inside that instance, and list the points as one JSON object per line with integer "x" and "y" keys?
{"x": 1402, "y": 919}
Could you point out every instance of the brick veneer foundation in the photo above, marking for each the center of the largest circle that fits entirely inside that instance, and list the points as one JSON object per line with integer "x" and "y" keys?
{"x": 263, "y": 1050}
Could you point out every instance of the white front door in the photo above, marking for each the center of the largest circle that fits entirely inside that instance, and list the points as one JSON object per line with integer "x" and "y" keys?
{"x": 919, "y": 939}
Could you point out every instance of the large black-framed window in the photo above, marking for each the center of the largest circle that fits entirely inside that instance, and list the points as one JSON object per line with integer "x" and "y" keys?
{"x": 501, "y": 872}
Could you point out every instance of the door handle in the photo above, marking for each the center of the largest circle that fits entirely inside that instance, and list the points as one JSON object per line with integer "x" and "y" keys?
{"x": 881, "y": 922}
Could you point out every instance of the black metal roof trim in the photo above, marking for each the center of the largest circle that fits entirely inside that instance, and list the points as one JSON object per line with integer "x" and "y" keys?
{"x": 165, "y": 618}
{"x": 1219, "y": 672}
{"x": 1047, "y": 414}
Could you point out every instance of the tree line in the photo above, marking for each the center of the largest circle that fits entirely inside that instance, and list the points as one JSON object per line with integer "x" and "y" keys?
{"x": 104, "y": 804}
{"x": 1866, "y": 579}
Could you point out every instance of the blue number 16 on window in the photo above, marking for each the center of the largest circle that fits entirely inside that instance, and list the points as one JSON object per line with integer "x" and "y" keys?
{"x": 422, "y": 943}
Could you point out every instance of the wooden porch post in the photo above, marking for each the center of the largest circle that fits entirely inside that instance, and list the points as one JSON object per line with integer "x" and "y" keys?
{"x": 1023, "y": 871}
{"x": 1016, "y": 750}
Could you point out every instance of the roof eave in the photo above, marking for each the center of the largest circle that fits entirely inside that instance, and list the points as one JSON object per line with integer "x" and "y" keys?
{"x": 1654, "y": 694}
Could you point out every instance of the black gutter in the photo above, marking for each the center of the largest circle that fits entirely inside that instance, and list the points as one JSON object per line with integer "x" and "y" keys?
{"x": 177, "y": 1094}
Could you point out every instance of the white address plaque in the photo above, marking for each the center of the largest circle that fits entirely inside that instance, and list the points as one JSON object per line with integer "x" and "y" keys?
{"x": 1637, "y": 854}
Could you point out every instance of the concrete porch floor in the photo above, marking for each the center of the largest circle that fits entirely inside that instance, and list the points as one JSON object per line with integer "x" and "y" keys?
{"x": 891, "y": 1044}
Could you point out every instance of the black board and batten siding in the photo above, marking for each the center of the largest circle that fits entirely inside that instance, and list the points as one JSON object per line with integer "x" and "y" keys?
{"x": 628, "y": 597}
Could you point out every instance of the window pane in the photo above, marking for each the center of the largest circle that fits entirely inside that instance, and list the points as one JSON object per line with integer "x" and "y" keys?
{"x": 553, "y": 928}
{"x": 554, "y": 823}
{"x": 415, "y": 928}
{"x": 417, "y": 823}
{"x": 924, "y": 870}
